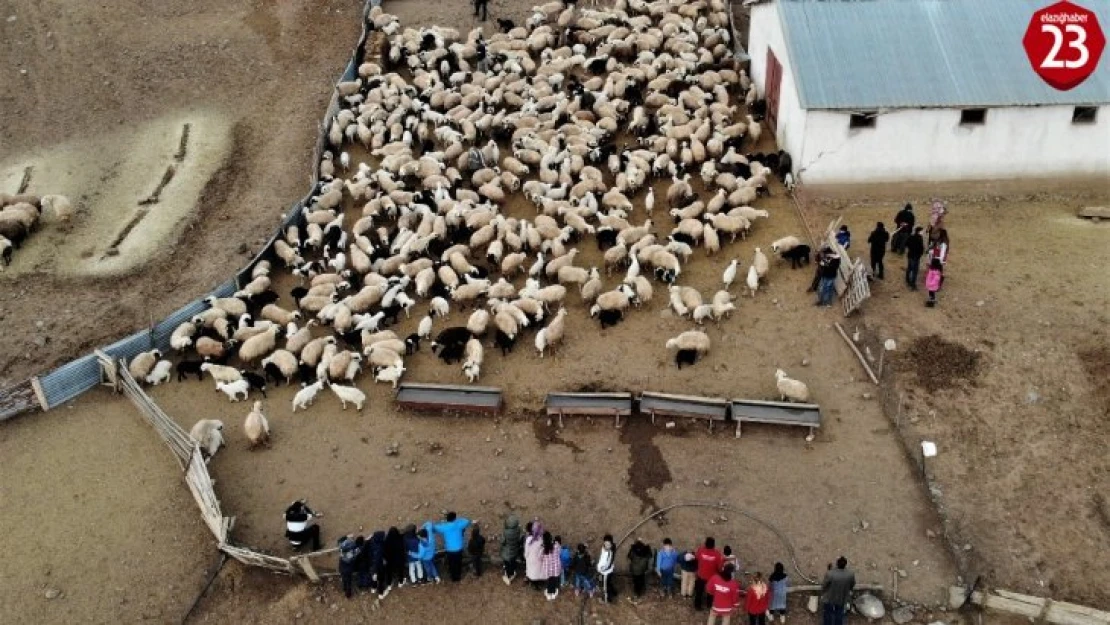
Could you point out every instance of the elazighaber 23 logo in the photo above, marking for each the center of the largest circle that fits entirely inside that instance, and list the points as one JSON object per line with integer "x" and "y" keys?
{"x": 1064, "y": 43}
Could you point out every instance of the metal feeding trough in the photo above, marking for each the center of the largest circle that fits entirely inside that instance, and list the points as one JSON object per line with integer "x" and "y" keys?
{"x": 614, "y": 405}
{"x": 448, "y": 397}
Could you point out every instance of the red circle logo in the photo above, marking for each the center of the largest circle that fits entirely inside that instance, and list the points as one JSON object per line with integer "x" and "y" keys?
{"x": 1064, "y": 43}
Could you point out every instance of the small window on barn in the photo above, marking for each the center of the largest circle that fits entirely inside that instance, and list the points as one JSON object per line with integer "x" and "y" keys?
{"x": 973, "y": 117}
{"x": 1084, "y": 115}
{"x": 862, "y": 120}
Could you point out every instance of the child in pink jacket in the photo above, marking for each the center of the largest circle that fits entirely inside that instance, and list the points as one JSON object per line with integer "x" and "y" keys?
{"x": 933, "y": 280}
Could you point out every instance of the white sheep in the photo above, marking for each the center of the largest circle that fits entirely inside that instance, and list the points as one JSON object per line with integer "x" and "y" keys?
{"x": 759, "y": 261}
{"x": 234, "y": 389}
{"x": 475, "y": 354}
{"x": 424, "y": 329}
{"x": 221, "y": 373}
{"x": 259, "y": 345}
{"x": 231, "y": 305}
{"x": 552, "y": 334}
{"x": 285, "y": 362}
{"x": 690, "y": 340}
{"x": 304, "y": 397}
{"x": 257, "y": 427}
{"x": 160, "y": 373}
{"x": 753, "y": 279}
{"x": 349, "y": 394}
{"x": 390, "y": 374}
{"x": 182, "y": 337}
{"x": 701, "y": 313}
{"x": 141, "y": 365}
{"x": 208, "y": 433}
{"x": 790, "y": 388}
{"x": 58, "y": 207}
{"x": 729, "y": 275}
{"x": 785, "y": 244}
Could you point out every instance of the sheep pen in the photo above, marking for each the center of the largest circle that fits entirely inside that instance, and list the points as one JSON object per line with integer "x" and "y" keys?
{"x": 585, "y": 479}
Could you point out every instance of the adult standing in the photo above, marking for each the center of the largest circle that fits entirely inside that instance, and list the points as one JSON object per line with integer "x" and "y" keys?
{"x": 510, "y": 548}
{"x": 829, "y": 268}
{"x": 709, "y": 564}
{"x": 533, "y": 555}
{"x": 903, "y": 226}
{"x": 836, "y": 591}
{"x": 725, "y": 592}
{"x": 639, "y": 563}
{"x": 915, "y": 248}
{"x": 878, "y": 240}
{"x": 396, "y": 560}
{"x": 452, "y": 528}
{"x": 605, "y": 565}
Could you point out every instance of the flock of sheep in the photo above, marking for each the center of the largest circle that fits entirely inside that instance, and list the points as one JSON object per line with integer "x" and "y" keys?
{"x": 580, "y": 110}
{"x": 20, "y": 214}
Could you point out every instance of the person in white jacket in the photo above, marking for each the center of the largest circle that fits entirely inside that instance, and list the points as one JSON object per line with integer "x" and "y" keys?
{"x": 605, "y": 566}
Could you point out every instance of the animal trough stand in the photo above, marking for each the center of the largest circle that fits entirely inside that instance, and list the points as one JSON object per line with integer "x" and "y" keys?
{"x": 776, "y": 412}
{"x": 688, "y": 406}
{"x": 603, "y": 404}
{"x": 445, "y": 397}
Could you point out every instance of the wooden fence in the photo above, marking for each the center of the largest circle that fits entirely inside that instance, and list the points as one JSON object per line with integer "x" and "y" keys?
{"x": 20, "y": 398}
{"x": 189, "y": 458}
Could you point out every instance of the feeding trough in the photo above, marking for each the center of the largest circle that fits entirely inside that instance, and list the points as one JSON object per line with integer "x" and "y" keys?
{"x": 448, "y": 397}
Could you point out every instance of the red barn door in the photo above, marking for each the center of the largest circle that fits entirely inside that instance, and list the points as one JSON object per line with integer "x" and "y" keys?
{"x": 774, "y": 80}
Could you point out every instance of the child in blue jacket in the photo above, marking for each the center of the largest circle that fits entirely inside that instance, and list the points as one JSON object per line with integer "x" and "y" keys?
{"x": 564, "y": 559}
{"x": 412, "y": 548}
{"x": 427, "y": 555}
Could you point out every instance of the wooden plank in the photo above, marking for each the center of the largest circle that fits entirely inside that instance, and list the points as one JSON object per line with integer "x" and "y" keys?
{"x": 39, "y": 395}
{"x": 1058, "y": 613}
{"x": 855, "y": 350}
{"x": 309, "y": 570}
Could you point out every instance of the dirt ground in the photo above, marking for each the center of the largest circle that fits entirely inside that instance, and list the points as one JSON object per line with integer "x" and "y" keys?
{"x": 584, "y": 480}
{"x": 93, "y": 70}
{"x": 1022, "y": 442}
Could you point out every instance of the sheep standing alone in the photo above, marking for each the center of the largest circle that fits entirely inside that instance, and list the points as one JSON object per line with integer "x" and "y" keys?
{"x": 349, "y": 394}
{"x": 256, "y": 427}
{"x": 304, "y": 397}
{"x": 790, "y": 388}
{"x": 691, "y": 339}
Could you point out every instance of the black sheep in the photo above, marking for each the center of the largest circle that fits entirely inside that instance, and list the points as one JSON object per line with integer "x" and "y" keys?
{"x": 254, "y": 380}
{"x": 185, "y": 367}
{"x": 686, "y": 357}
{"x": 274, "y": 373}
{"x": 798, "y": 256}
{"x": 786, "y": 164}
{"x": 269, "y": 296}
{"x": 306, "y": 373}
{"x": 505, "y": 25}
{"x": 455, "y": 335}
{"x": 606, "y": 238}
{"x": 298, "y": 293}
{"x": 412, "y": 344}
{"x": 665, "y": 275}
{"x": 682, "y": 237}
{"x": 502, "y": 341}
{"x": 609, "y": 317}
{"x": 451, "y": 353}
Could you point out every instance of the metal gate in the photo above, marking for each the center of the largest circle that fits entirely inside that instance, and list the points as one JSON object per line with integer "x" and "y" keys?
{"x": 774, "y": 81}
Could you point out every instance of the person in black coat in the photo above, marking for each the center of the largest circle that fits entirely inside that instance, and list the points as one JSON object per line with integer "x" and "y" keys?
{"x": 903, "y": 226}
{"x": 915, "y": 249}
{"x": 878, "y": 240}
{"x": 362, "y": 563}
{"x": 476, "y": 548}
{"x": 375, "y": 547}
{"x": 396, "y": 559}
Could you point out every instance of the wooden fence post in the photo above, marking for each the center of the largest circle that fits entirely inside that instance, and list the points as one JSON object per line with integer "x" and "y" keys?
{"x": 39, "y": 395}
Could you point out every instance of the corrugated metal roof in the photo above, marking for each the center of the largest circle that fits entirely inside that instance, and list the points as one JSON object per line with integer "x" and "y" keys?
{"x": 875, "y": 54}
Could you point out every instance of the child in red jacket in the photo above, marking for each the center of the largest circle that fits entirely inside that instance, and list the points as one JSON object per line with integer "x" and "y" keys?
{"x": 757, "y": 598}
{"x": 726, "y": 596}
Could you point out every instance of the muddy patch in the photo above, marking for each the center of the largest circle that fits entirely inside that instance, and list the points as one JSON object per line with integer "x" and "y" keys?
{"x": 940, "y": 364}
{"x": 648, "y": 470}
{"x": 548, "y": 434}
{"x": 1096, "y": 362}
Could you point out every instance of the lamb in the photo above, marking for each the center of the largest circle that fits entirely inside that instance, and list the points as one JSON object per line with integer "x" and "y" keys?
{"x": 160, "y": 373}
{"x": 349, "y": 394}
{"x": 304, "y": 397}
{"x": 390, "y": 374}
{"x": 256, "y": 427}
{"x": 221, "y": 373}
{"x": 186, "y": 367}
{"x": 729, "y": 275}
{"x": 472, "y": 367}
{"x": 701, "y": 313}
{"x": 690, "y": 340}
{"x": 795, "y": 390}
{"x": 141, "y": 365}
{"x": 753, "y": 279}
{"x": 208, "y": 434}
{"x": 233, "y": 389}
{"x": 424, "y": 329}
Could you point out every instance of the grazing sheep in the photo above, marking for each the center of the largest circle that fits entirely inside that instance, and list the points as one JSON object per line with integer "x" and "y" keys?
{"x": 160, "y": 373}
{"x": 478, "y": 322}
{"x": 256, "y": 427}
{"x": 233, "y": 389}
{"x": 304, "y": 397}
{"x": 280, "y": 364}
{"x": 686, "y": 357}
{"x": 785, "y": 244}
{"x": 759, "y": 261}
{"x": 182, "y": 337}
{"x": 58, "y": 207}
{"x": 141, "y": 365}
{"x": 691, "y": 339}
{"x": 254, "y": 381}
{"x": 552, "y": 334}
{"x": 231, "y": 305}
{"x": 349, "y": 394}
{"x": 187, "y": 367}
{"x": 797, "y": 256}
{"x": 259, "y": 345}
{"x": 789, "y": 388}
{"x": 208, "y": 433}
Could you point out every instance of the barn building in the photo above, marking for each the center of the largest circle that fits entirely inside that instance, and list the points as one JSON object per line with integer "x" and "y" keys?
{"x": 921, "y": 90}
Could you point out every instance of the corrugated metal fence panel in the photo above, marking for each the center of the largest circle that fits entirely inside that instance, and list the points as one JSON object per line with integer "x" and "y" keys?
{"x": 163, "y": 330}
{"x": 71, "y": 379}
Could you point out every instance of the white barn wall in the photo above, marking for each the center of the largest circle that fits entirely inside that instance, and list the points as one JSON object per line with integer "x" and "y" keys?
{"x": 766, "y": 32}
{"x": 930, "y": 144}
